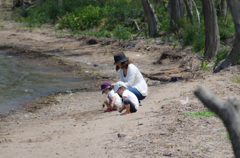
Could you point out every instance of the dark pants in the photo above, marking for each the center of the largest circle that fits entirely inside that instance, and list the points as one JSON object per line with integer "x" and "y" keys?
{"x": 132, "y": 106}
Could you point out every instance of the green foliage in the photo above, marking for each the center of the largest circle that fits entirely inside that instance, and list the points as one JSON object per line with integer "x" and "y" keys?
{"x": 122, "y": 13}
{"x": 202, "y": 52}
{"x": 206, "y": 113}
{"x": 221, "y": 55}
{"x": 117, "y": 17}
{"x": 227, "y": 137}
{"x": 82, "y": 18}
{"x": 164, "y": 19}
{"x": 194, "y": 36}
{"x": 236, "y": 80}
{"x": 78, "y": 15}
{"x": 204, "y": 65}
{"x": 121, "y": 32}
{"x": 49, "y": 11}
{"x": 226, "y": 28}
{"x": 175, "y": 44}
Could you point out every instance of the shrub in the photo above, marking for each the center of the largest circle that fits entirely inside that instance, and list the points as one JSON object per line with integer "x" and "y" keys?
{"x": 50, "y": 11}
{"x": 221, "y": 55}
{"x": 121, "y": 32}
{"x": 123, "y": 13}
{"x": 226, "y": 29}
{"x": 82, "y": 18}
{"x": 194, "y": 36}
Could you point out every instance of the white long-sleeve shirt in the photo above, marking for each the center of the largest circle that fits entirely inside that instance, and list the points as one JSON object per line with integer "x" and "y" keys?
{"x": 134, "y": 79}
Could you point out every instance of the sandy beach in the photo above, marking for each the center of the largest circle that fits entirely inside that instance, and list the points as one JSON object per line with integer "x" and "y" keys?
{"x": 74, "y": 125}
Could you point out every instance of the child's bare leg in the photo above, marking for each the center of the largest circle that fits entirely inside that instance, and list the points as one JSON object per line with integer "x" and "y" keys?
{"x": 127, "y": 109}
{"x": 123, "y": 107}
{"x": 107, "y": 102}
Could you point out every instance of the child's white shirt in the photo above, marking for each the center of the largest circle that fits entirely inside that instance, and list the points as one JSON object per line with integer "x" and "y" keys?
{"x": 118, "y": 101}
{"x": 132, "y": 97}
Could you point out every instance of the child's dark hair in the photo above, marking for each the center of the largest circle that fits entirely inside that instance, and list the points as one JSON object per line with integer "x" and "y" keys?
{"x": 124, "y": 64}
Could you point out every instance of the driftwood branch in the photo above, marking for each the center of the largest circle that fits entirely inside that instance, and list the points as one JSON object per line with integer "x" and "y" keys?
{"x": 227, "y": 111}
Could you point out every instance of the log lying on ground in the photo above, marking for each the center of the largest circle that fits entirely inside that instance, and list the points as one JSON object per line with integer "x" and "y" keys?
{"x": 227, "y": 111}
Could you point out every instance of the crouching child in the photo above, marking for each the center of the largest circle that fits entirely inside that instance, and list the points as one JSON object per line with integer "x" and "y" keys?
{"x": 113, "y": 100}
{"x": 130, "y": 101}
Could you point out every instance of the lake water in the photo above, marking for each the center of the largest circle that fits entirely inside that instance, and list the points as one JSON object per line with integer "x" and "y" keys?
{"x": 22, "y": 80}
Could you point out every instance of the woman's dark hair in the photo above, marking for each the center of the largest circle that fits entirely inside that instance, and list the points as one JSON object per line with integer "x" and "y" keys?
{"x": 124, "y": 64}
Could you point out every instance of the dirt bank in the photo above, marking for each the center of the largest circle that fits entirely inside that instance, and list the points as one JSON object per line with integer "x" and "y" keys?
{"x": 75, "y": 125}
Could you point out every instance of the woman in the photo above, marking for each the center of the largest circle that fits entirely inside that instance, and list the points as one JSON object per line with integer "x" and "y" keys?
{"x": 131, "y": 76}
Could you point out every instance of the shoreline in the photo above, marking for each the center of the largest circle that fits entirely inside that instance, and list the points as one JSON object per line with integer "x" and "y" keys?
{"x": 34, "y": 104}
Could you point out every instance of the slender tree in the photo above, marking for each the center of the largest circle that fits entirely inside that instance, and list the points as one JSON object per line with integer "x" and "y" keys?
{"x": 189, "y": 10}
{"x": 233, "y": 57}
{"x": 197, "y": 12}
{"x": 212, "y": 39}
{"x": 177, "y": 12}
{"x": 153, "y": 24}
{"x": 224, "y": 9}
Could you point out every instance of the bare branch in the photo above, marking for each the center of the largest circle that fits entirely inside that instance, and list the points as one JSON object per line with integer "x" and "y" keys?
{"x": 227, "y": 111}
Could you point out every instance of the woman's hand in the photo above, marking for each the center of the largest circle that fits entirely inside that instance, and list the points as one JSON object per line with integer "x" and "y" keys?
{"x": 112, "y": 85}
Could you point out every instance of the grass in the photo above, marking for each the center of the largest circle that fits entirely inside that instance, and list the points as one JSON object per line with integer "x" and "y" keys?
{"x": 204, "y": 65}
{"x": 206, "y": 113}
{"x": 2, "y": 26}
{"x": 227, "y": 137}
{"x": 236, "y": 80}
{"x": 165, "y": 99}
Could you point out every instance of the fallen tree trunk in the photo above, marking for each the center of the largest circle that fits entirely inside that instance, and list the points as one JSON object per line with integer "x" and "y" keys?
{"x": 227, "y": 111}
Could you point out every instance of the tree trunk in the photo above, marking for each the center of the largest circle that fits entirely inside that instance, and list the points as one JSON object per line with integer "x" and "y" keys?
{"x": 233, "y": 57}
{"x": 16, "y": 4}
{"x": 177, "y": 12}
{"x": 189, "y": 11}
{"x": 224, "y": 9}
{"x": 60, "y": 3}
{"x": 228, "y": 112}
{"x": 153, "y": 24}
{"x": 197, "y": 12}
{"x": 24, "y": 13}
{"x": 212, "y": 39}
